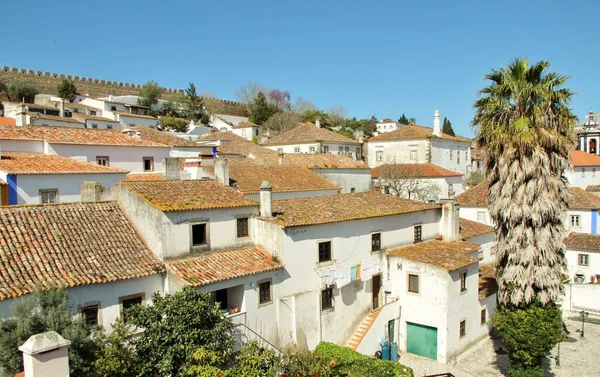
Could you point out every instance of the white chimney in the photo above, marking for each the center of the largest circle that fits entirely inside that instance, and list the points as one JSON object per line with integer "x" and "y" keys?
{"x": 111, "y": 98}
{"x": 450, "y": 228}
{"x": 172, "y": 169}
{"x": 280, "y": 158}
{"x": 62, "y": 107}
{"x": 437, "y": 131}
{"x": 45, "y": 355}
{"x": 222, "y": 171}
{"x": 318, "y": 123}
{"x": 266, "y": 200}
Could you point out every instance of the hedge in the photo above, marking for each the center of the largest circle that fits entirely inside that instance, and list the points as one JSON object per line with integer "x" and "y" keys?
{"x": 349, "y": 363}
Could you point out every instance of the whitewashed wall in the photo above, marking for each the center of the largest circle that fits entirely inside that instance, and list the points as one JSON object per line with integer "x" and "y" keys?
{"x": 443, "y": 184}
{"x": 102, "y": 125}
{"x": 54, "y": 123}
{"x": 582, "y": 297}
{"x": 592, "y": 269}
{"x": 440, "y": 155}
{"x": 359, "y": 179}
{"x": 295, "y": 194}
{"x": 318, "y": 148}
{"x": 585, "y": 221}
{"x": 397, "y": 152}
{"x": 189, "y": 152}
{"x": 131, "y": 121}
{"x": 583, "y": 176}
{"x": 21, "y": 146}
{"x": 486, "y": 241}
{"x": 470, "y": 213}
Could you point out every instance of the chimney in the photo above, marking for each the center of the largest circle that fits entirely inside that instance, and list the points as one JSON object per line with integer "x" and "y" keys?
{"x": 436, "y": 123}
{"x": 318, "y": 123}
{"x": 172, "y": 170}
{"x": 62, "y": 108}
{"x": 111, "y": 98}
{"x": 280, "y": 158}
{"x": 222, "y": 171}
{"x": 450, "y": 220}
{"x": 91, "y": 191}
{"x": 45, "y": 355}
{"x": 21, "y": 117}
{"x": 266, "y": 200}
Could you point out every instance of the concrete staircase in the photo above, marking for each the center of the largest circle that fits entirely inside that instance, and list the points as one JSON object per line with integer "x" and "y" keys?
{"x": 362, "y": 330}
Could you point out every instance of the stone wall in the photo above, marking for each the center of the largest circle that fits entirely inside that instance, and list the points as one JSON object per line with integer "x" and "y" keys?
{"x": 47, "y": 82}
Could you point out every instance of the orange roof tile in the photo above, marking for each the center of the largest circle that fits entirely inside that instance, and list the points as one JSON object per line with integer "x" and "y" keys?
{"x": 68, "y": 245}
{"x": 388, "y": 120}
{"x": 208, "y": 268}
{"x": 475, "y": 196}
{"x": 216, "y": 136}
{"x": 162, "y": 137}
{"x": 188, "y": 195}
{"x": 470, "y": 229}
{"x": 308, "y": 132}
{"x": 343, "y": 207}
{"x": 581, "y": 199}
{"x": 84, "y": 117}
{"x": 40, "y": 163}
{"x": 4, "y": 121}
{"x": 487, "y": 281}
{"x": 584, "y": 241}
{"x": 415, "y": 132}
{"x": 447, "y": 255}
{"x": 243, "y": 148}
{"x": 593, "y": 188}
{"x": 426, "y": 170}
{"x": 145, "y": 177}
{"x": 582, "y": 159}
{"x": 54, "y": 118}
{"x": 311, "y": 161}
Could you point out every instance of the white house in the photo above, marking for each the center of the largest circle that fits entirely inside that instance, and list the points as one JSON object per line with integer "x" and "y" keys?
{"x": 583, "y": 257}
{"x": 179, "y": 147}
{"x": 311, "y": 138}
{"x": 417, "y": 144}
{"x": 387, "y": 125}
{"x": 248, "y": 130}
{"x": 588, "y": 134}
{"x": 127, "y": 114}
{"x": 585, "y": 169}
{"x": 219, "y": 138}
{"x": 481, "y": 234}
{"x": 38, "y": 178}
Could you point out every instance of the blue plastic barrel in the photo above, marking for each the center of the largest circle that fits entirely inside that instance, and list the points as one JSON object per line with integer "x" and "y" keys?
{"x": 385, "y": 352}
{"x": 394, "y": 352}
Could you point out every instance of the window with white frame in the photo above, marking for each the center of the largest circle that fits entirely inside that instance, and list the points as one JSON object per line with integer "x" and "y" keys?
{"x": 458, "y": 157}
{"x": 481, "y": 217}
{"x": 296, "y": 149}
{"x": 103, "y": 160}
{"x": 463, "y": 281}
{"x": 413, "y": 283}
{"x": 413, "y": 155}
{"x": 325, "y": 148}
{"x": 89, "y": 313}
{"x": 583, "y": 259}
{"x": 575, "y": 221}
{"x": 451, "y": 155}
{"x": 49, "y": 196}
{"x": 379, "y": 156}
{"x": 312, "y": 149}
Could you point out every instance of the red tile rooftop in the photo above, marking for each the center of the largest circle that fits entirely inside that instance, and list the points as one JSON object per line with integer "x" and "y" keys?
{"x": 308, "y": 132}
{"x": 40, "y": 163}
{"x": 450, "y": 256}
{"x": 426, "y": 170}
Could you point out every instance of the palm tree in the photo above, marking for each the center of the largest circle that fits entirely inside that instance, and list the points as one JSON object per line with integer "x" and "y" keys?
{"x": 525, "y": 126}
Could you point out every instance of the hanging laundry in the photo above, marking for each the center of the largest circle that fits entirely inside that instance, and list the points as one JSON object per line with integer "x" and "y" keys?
{"x": 353, "y": 273}
{"x": 366, "y": 271}
{"x": 331, "y": 277}
{"x": 344, "y": 276}
{"x": 358, "y": 272}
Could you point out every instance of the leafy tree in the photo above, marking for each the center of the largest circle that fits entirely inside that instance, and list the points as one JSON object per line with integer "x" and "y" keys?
{"x": 447, "y": 127}
{"x": 22, "y": 90}
{"x": 149, "y": 94}
{"x": 526, "y": 127}
{"x": 412, "y": 121}
{"x": 116, "y": 355}
{"x": 261, "y": 110}
{"x": 475, "y": 178}
{"x": 313, "y": 115}
{"x": 41, "y": 312}
{"x": 194, "y": 104}
{"x": 403, "y": 119}
{"x": 175, "y": 326}
{"x": 404, "y": 180}
{"x": 174, "y": 124}
{"x": 67, "y": 90}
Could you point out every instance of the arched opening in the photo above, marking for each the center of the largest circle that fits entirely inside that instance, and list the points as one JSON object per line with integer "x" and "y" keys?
{"x": 593, "y": 146}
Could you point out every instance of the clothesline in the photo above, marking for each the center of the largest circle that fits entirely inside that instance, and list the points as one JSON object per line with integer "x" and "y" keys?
{"x": 342, "y": 274}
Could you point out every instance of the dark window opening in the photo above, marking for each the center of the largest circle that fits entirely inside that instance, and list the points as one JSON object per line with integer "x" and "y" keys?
{"x": 376, "y": 242}
{"x": 327, "y": 298}
{"x": 198, "y": 234}
{"x": 418, "y": 237}
{"x": 264, "y": 294}
{"x": 324, "y": 251}
{"x": 242, "y": 227}
{"x": 89, "y": 314}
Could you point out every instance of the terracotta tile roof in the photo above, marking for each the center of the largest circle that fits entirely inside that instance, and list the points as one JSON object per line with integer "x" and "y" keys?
{"x": 208, "y": 268}
{"x": 124, "y": 113}
{"x": 73, "y": 105}
{"x": 414, "y": 132}
{"x": 216, "y": 136}
{"x": 447, "y": 255}
{"x": 581, "y": 199}
{"x": 343, "y": 207}
{"x": 245, "y": 125}
{"x": 426, "y": 170}
{"x": 5, "y": 121}
{"x": 145, "y": 177}
{"x": 35, "y": 115}
{"x": 581, "y": 159}
{"x": 38, "y": 106}
{"x": 584, "y": 241}
{"x": 311, "y": 161}
{"x": 470, "y": 229}
{"x": 40, "y": 163}
{"x": 188, "y": 195}
{"x": 307, "y": 133}
{"x": 593, "y": 188}
{"x": 69, "y": 135}
{"x": 243, "y": 148}
{"x": 388, "y": 120}
{"x": 162, "y": 137}
{"x": 84, "y": 117}
{"x": 475, "y": 196}
{"x": 487, "y": 281}
{"x": 69, "y": 245}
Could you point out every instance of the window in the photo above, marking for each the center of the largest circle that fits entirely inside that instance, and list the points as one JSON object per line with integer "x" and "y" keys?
{"x": 243, "y": 132}
{"x": 198, "y": 234}
{"x": 242, "y": 227}
{"x": 324, "y": 251}
{"x": 326, "y": 149}
{"x": 483, "y": 318}
{"x": 92, "y": 112}
{"x": 358, "y": 152}
{"x": 280, "y": 150}
{"x": 94, "y": 125}
{"x": 413, "y": 155}
{"x": 463, "y": 281}
{"x": 49, "y": 196}
{"x": 593, "y": 172}
{"x": 352, "y": 190}
{"x": 327, "y": 299}
{"x": 451, "y": 154}
{"x": 89, "y": 313}
{"x": 463, "y": 328}
{"x": 413, "y": 283}
{"x": 583, "y": 172}
{"x": 418, "y": 237}
{"x": 347, "y": 150}
{"x": 109, "y": 126}
{"x": 458, "y": 157}
{"x": 312, "y": 149}
{"x": 103, "y": 160}
{"x": 481, "y": 217}
{"x": 575, "y": 221}
{"x": 375, "y": 241}
{"x": 264, "y": 292}
{"x": 341, "y": 150}
{"x": 296, "y": 149}
{"x": 148, "y": 163}
{"x": 113, "y": 108}
{"x": 583, "y": 260}
{"x": 379, "y": 156}
{"x": 129, "y": 301}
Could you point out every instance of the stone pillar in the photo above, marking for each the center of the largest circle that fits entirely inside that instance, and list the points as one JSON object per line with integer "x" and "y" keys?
{"x": 222, "y": 171}
{"x": 266, "y": 200}
{"x": 172, "y": 170}
{"x": 45, "y": 355}
{"x": 450, "y": 228}
{"x": 91, "y": 191}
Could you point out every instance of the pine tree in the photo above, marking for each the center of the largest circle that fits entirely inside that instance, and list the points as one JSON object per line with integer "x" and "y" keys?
{"x": 447, "y": 128}
{"x": 403, "y": 119}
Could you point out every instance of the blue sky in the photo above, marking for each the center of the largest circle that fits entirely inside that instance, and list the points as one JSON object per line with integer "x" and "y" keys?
{"x": 373, "y": 57}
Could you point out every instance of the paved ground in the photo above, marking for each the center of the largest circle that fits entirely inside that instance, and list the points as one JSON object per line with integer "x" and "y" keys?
{"x": 579, "y": 358}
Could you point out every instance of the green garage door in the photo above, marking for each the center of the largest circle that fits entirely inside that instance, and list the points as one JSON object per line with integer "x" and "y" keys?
{"x": 421, "y": 340}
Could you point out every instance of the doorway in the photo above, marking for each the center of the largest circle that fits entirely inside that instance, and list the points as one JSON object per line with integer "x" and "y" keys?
{"x": 376, "y": 290}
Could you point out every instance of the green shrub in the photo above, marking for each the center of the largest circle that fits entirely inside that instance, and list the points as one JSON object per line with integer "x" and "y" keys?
{"x": 346, "y": 362}
{"x": 175, "y": 124}
{"x": 298, "y": 362}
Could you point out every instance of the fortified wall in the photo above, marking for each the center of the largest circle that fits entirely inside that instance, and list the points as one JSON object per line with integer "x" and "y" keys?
{"x": 47, "y": 82}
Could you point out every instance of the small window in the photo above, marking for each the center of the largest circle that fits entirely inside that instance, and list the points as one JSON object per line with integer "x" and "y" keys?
{"x": 413, "y": 283}
{"x": 113, "y": 108}
{"x": 481, "y": 217}
{"x": 324, "y": 251}
{"x": 458, "y": 157}
{"x": 264, "y": 292}
{"x": 148, "y": 163}
{"x": 326, "y": 149}
{"x": 89, "y": 314}
{"x": 198, "y": 234}
{"x": 413, "y": 155}
{"x": 379, "y": 156}
{"x": 92, "y": 112}
{"x": 583, "y": 260}
{"x": 312, "y": 149}
{"x": 583, "y": 172}
{"x": 483, "y": 318}
{"x": 352, "y": 190}
{"x": 48, "y": 196}
{"x": 358, "y": 152}
{"x": 280, "y": 150}
{"x": 417, "y": 232}
{"x": 463, "y": 328}
{"x": 128, "y": 302}
{"x": 463, "y": 281}
{"x": 376, "y": 242}
{"x": 575, "y": 219}
{"x": 94, "y": 125}
{"x": 341, "y": 150}
{"x": 296, "y": 149}
{"x": 242, "y": 227}
{"x": 451, "y": 154}
{"x": 109, "y": 127}
{"x": 347, "y": 150}
{"x": 327, "y": 298}
{"x": 103, "y": 160}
